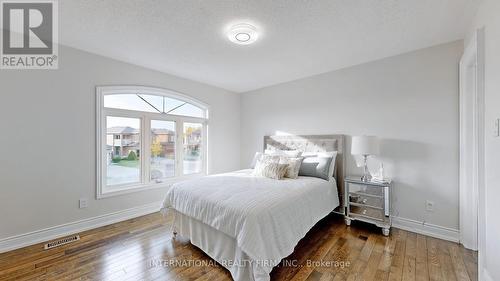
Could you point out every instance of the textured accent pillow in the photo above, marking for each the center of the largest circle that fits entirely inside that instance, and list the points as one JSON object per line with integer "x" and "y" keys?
{"x": 287, "y": 153}
{"x": 261, "y": 163}
{"x": 292, "y": 171}
{"x": 274, "y": 170}
{"x": 316, "y": 166}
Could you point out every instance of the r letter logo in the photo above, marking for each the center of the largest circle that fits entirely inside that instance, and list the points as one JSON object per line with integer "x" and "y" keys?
{"x": 29, "y": 34}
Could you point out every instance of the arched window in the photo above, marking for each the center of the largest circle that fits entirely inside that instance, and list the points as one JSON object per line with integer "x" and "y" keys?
{"x": 147, "y": 137}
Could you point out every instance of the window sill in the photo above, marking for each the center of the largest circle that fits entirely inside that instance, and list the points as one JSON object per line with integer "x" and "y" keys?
{"x": 121, "y": 190}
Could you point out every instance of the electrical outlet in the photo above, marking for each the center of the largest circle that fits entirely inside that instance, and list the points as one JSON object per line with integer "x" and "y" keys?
{"x": 84, "y": 203}
{"x": 429, "y": 206}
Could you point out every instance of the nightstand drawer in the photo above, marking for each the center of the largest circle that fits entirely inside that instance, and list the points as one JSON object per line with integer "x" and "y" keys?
{"x": 373, "y": 191}
{"x": 360, "y": 199}
{"x": 366, "y": 212}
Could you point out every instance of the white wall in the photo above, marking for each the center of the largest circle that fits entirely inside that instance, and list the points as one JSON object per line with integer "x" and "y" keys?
{"x": 488, "y": 17}
{"x": 48, "y": 130}
{"x": 47, "y": 138}
{"x": 410, "y": 101}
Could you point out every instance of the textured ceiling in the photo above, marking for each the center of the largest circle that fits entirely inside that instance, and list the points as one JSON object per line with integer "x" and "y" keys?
{"x": 298, "y": 38}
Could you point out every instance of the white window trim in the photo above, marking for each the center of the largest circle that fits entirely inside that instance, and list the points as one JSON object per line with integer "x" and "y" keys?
{"x": 145, "y": 117}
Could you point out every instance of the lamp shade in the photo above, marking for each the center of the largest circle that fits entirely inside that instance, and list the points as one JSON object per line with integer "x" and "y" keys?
{"x": 365, "y": 145}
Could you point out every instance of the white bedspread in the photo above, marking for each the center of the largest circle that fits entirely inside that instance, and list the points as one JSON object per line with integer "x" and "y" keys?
{"x": 267, "y": 217}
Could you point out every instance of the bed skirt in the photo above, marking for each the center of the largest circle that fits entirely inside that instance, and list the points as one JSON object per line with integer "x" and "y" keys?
{"x": 222, "y": 248}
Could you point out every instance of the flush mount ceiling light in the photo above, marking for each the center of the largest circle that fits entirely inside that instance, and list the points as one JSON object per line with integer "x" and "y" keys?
{"x": 242, "y": 34}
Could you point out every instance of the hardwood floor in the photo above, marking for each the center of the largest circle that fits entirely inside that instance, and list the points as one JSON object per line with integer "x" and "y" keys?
{"x": 135, "y": 250}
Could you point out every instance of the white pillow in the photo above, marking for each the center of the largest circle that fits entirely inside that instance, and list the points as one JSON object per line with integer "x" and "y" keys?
{"x": 293, "y": 166}
{"x": 265, "y": 157}
{"x": 310, "y": 154}
{"x": 255, "y": 158}
{"x": 287, "y": 153}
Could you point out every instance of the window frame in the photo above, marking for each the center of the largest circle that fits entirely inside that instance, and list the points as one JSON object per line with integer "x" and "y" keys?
{"x": 145, "y": 182}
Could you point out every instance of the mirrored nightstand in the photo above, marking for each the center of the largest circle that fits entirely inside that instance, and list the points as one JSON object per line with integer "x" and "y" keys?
{"x": 368, "y": 201}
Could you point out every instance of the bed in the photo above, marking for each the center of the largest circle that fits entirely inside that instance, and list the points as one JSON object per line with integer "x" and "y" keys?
{"x": 249, "y": 224}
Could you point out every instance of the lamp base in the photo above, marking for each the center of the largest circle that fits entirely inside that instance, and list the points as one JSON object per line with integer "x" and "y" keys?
{"x": 366, "y": 174}
{"x": 366, "y": 178}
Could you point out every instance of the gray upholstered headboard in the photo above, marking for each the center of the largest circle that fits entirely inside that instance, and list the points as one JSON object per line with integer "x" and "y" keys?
{"x": 315, "y": 143}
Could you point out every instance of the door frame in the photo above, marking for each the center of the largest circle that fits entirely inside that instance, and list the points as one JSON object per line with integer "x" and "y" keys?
{"x": 472, "y": 99}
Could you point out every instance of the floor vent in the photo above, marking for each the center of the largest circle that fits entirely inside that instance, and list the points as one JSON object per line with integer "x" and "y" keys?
{"x": 61, "y": 242}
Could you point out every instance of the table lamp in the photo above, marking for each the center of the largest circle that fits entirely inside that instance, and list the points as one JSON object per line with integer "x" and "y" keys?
{"x": 365, "y": 146}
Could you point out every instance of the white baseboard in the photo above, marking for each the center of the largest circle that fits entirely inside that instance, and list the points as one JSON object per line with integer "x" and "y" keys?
{"x": 432, "y": 230}
{"x": 43, "y": 235}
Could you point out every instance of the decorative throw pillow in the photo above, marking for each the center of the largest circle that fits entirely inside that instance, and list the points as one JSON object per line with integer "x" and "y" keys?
{"x": 274, "y": 170}
{"x": 292, "y": 171}
{"x": 261, "y": 163}
{"x": 316, "y": 166}
{"x": 326, "y": 154}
